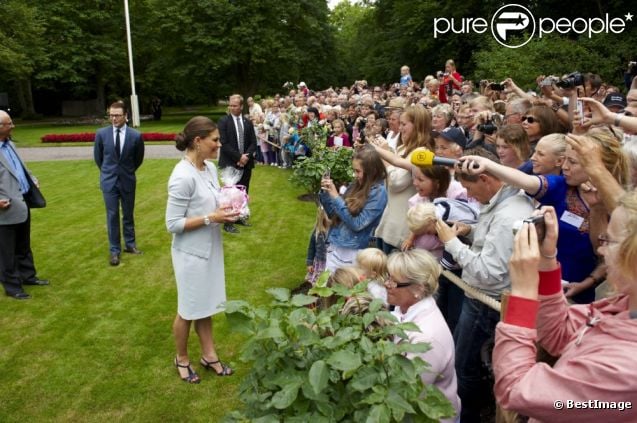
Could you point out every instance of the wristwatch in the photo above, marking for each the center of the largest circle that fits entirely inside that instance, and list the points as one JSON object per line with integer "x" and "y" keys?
{"x": 206, "y": 220}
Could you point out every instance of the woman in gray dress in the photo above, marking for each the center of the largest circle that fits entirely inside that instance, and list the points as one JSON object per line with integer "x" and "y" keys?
{"x": 193, "y": 216}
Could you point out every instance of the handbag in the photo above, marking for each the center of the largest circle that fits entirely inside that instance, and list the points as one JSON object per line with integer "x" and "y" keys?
{"x": 33, "y": 198}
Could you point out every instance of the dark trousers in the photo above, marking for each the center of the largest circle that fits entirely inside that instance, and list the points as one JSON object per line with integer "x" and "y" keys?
{"x": 245, "y": 178}
{"x": 475, "y": 327}
{"x": 112, "y": 200}
{"x": 16, "y": 258}
{"x": 449, "y": 298}
{"x": 385, "y": 247}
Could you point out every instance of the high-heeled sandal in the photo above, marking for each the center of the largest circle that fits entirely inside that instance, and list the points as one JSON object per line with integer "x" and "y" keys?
{"x": 225, "y": 370}
{"x": 192, "y": 377}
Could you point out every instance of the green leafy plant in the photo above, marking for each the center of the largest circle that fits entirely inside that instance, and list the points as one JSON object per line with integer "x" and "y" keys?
{"x": 323, "y": 365}
{"x": 309, "y": 170}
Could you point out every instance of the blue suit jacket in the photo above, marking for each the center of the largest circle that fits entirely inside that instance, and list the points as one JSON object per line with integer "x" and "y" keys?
{"x": 112, "y": 170}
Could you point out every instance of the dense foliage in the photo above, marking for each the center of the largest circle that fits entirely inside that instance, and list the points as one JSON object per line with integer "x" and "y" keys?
{"x": 309, "y": 170}
{"x": 196, "y": 51}
{"x": 324, "y": 365}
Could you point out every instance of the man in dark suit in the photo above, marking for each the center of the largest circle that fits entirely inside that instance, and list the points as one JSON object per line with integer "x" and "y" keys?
{"x": 118, "y": 152}
{"x": 16, "y": 259}
{"x": 238, "y": 146}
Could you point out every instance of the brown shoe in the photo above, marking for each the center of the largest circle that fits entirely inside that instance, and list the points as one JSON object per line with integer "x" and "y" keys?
{"x": 114, "y": 260}
{"x": 132, "y": 250}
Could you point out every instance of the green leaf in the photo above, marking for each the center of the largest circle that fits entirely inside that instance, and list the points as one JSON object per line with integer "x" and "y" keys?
{"x": 322, "y": 279}
{"x": 420, "y": 347}
{"x": 364, "y": 379}
{"x": 435, "y": 405}
{"x": 344, "y": 360}
{"x": 379, "y": 414}
{"x": 366, "y": 344}
{"x": 270, "y": 418}
{"x": 321, "y": 291}
{"x": 285, "y": 397}
{"x": 236, "y": 306}
{"x": 301, "y": 300}
{"x": 270, "y": 333}
{"x": 240, "y": 323}
{"x": 397, "y": 402}
{"x": 302, "y": 315}
{"x": 281, "y": 294}
{"x": 307, "y": 336}
{"x": 318, "y": 376}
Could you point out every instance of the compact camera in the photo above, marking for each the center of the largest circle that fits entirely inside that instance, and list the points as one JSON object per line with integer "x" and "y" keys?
{"x": 538, "y": 221}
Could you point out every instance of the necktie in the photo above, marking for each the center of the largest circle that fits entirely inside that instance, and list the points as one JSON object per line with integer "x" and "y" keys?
{"x": 117, "y": 143}
{"x": 240, "y": 129}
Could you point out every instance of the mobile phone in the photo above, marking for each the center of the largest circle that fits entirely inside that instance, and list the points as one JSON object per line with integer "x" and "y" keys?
{"x": 580, "y": 110}
{"x": 496, "y": 87}
{"x": 327, "y": 174}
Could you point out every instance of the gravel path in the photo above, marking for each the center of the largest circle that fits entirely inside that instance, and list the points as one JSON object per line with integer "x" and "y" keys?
{"x": 40, "y": 154}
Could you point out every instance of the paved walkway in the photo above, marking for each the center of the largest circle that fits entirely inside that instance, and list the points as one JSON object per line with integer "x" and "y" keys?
{"x": 40, "y": 154}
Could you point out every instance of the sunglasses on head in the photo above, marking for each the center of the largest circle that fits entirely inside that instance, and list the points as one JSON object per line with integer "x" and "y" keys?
{"x": 529, "y": 119}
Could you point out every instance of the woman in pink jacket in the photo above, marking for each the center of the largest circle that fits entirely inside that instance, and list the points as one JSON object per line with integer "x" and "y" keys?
{"x": 595, "y": 377}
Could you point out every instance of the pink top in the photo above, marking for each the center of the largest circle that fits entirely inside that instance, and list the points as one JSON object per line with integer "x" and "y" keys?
{"x": 441, "y": 357}
{"x": 597, "y": 345}
{"x": 343, "y": 143}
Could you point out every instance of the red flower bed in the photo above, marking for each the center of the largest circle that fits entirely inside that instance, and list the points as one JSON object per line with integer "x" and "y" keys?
{"x": 90, "y": 137}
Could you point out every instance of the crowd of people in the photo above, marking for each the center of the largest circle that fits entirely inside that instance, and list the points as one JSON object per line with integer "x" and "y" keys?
{"x": 528, "y": 192}
{"x": 567, "y": 149}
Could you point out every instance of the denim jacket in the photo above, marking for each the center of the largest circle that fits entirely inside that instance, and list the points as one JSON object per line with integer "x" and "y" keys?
{"x": 354, "y": 231}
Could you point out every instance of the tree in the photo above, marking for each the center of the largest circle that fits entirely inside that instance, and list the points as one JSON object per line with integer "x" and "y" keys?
{"x": 22, "y": 49}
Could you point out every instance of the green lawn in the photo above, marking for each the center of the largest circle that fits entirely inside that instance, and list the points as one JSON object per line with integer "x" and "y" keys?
{"x": 97, "y": 344}
{"x": 28, "y": 133}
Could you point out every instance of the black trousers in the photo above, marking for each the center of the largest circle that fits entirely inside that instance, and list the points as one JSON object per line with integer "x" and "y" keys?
{"x": 245, "y": 178}
{"x": 16, "y": 258}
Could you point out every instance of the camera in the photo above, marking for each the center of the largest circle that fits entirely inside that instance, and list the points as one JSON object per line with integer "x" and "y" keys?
{"x": 496, "y": 87}
{"x": 549, "y": 80}
{"x": 538, "y": 221}
{"x": 487, "y": 128}
{"x": 571, "y": 80}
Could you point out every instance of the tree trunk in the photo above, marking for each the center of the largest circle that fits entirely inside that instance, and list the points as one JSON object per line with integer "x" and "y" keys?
{"x": 25, "y": 97}
{"x": 28, "y": 96}
{"x": 101, "y": 96}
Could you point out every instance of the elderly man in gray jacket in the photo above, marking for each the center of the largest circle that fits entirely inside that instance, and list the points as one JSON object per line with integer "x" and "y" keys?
{"x": 484, "y": 266}
{"x": 16, "y": 259}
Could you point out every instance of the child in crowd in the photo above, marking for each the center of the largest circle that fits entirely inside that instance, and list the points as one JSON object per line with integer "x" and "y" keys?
{"x": 421, "y": 219}
{"x": 317, "y": 248}
{"x": 373, "y": 263}
{"x": 339, "y": 138}
{"x": 262, "y": 137}
{"x": 347, "y": 276}
{"x": 405, "y": 77}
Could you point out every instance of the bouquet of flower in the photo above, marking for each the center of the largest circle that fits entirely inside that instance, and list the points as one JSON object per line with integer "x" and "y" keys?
{"x": 232, "y": 195}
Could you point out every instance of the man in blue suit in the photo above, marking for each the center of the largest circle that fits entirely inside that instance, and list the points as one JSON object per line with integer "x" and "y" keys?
{"x": 118, "y": 152}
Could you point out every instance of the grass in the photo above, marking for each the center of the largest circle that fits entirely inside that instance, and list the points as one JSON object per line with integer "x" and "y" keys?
{"x": 97, "y": 345}
{"x": 28, "y": 133}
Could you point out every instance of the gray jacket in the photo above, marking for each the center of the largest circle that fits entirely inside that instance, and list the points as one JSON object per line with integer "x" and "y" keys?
{"x": 485, "y": 263}
{"x": 18, "y": 211}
